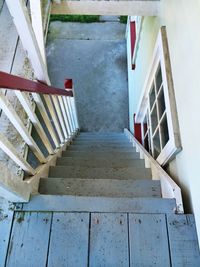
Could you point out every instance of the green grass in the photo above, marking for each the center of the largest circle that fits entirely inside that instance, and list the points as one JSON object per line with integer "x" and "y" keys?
{"x": 75, "y": 18}
{"x": 123, "y": 19}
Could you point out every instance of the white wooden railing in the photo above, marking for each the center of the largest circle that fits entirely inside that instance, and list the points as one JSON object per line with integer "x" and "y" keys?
{"x": 169, "y": 188}
{"x": 62, "y": 125}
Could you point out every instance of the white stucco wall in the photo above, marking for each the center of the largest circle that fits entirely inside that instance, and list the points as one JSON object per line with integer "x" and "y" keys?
{"x": 182, "y": 20}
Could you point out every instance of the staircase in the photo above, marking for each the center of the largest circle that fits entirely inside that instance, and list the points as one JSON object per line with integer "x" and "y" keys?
{"x": 100, "y": 207}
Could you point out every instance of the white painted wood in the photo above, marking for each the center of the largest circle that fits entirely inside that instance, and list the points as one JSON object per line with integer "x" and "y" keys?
{"x": 148, "y": 240}
{"x": 64, "y": 112}
{"x": 71, "y": 113}
{"x": 90, "y": 7}
{"x": 109, "y": 240}
{"x": 161, "y": 56}
{"x": 16, "y": 121}
{"x": 57, "y": 103}
{"x": 32, "y": 116}
{"x": 10, "y": 150}
{"x": 74, "y": 109}
{"x": 19, "y": 12}
{"x": 169, "y": 188}
{"x": 29, "y": 239}
{"x": 69, "y": 240}
{"x": 68, "y": 114}
{"x": 37, "y": 23}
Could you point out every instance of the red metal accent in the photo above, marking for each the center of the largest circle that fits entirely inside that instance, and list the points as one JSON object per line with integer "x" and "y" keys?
{"x": 10, "y": 81}
{"x": 137, "y": 130}
{"x": 133, "y": 39}
{"x": 68, "y": 84}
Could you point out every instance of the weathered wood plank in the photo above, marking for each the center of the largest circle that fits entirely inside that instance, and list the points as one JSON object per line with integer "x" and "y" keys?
{"x": 29, "y": 240}
{"x": 183, "y": 241}
{"x": 108, "y": 240}
{"x": 148, "y": 240}
{"x": 6, "y": 216}
{"x": 69, "y": 240}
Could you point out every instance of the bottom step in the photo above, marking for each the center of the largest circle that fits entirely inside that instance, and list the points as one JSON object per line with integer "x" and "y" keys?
{"x": 100, "y": 187}
{"x": 99, "y": 204}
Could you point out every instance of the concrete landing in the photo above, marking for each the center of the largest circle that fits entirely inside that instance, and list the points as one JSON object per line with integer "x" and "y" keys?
{"x": 94, "y": 56}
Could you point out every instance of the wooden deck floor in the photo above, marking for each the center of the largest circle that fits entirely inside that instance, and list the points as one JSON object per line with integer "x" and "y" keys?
{"x": 75, "y": 239}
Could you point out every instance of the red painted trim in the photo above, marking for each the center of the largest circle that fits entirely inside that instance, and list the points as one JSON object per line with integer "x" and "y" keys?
{"x": 13, "y": 82}
{"x": 133, "y": 39}
{"x": 137, "y": 130}
{"x": 68, "y": 84}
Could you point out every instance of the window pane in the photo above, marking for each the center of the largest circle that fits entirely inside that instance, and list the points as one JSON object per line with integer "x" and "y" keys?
{"x": 158, "y": 78}
{"x": 164, "y": 131}
{"x": 145, "y": 127}
{"x": 156, "y": 144}
{"x": 152, "y": 96}
{"x": 161, "y": 103}
{"x": 154, "y": 119}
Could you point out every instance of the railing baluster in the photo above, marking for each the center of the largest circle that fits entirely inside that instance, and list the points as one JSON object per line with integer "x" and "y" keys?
{"x": 33, "y": 118}
{"x": 62, "y": 104}
{"x": 16, "y": 121}
{"x": 68, "y": 114}
{"x": 9, "y": 149}
{"x": 46, "y": 119}
{"x": 71, "y": 114}
{"x": 60, "y": 116}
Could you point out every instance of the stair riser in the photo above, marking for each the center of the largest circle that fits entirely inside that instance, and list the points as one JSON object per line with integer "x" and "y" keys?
{"x": 99, "y": 173}
{"x": 103, "y": 149}
{"x": 100, "y": 163}
{"x": 102, "y": 142}
{"x": 100, "y": 187}
{"x": 100, "y": 155}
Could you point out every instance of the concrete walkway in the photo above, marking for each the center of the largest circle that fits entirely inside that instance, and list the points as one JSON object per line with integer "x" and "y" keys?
{"x": 94, "y": 56}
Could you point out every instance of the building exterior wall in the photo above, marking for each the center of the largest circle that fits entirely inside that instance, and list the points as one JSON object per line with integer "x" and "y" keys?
{"x": 181, "y": 18}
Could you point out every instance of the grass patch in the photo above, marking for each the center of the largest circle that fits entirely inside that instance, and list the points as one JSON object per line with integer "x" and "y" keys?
{"x": 75, "y": 18}
{"x": 123, "y": 19}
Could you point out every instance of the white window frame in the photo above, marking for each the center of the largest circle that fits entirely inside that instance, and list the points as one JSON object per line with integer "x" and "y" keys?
{"x": 161, "y": 56}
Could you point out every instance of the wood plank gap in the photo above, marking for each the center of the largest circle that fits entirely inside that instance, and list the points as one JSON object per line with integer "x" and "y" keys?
{"x": 8, "y": 245}
{"x": 129, "y": 251}
{"x": 88, "y": 259}
{"x": 170, "y": 256}
{"x": 49, "y": 240}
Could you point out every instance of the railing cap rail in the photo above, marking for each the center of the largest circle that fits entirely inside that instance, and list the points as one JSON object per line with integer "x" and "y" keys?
{"x": 13, "y": 82}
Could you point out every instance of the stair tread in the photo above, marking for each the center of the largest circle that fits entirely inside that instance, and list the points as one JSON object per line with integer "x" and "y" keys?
{"x": 99, "y": 172}
{"x": 100, "y": 187}
{"x": 99, "y": 204}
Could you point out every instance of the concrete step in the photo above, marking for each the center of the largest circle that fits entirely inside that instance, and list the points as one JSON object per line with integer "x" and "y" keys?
{"x": 102, "y": 139}
{"x": 102, "y": 145}
{"x": 100, "y": 187}
{"x": 101, "y": 154}
{"x": 101, "y": 134}
{"x": 100, "y": 162}
{"x": 99, "y": 204}
{"x": 99, "y": 142}
{"x": 126, "y": 173}
{"x": 99, "y": 148}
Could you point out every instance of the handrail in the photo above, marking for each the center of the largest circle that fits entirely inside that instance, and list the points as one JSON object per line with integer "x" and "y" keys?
{"x": 14, "y": 82}
{"x": 169, "y": 188}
